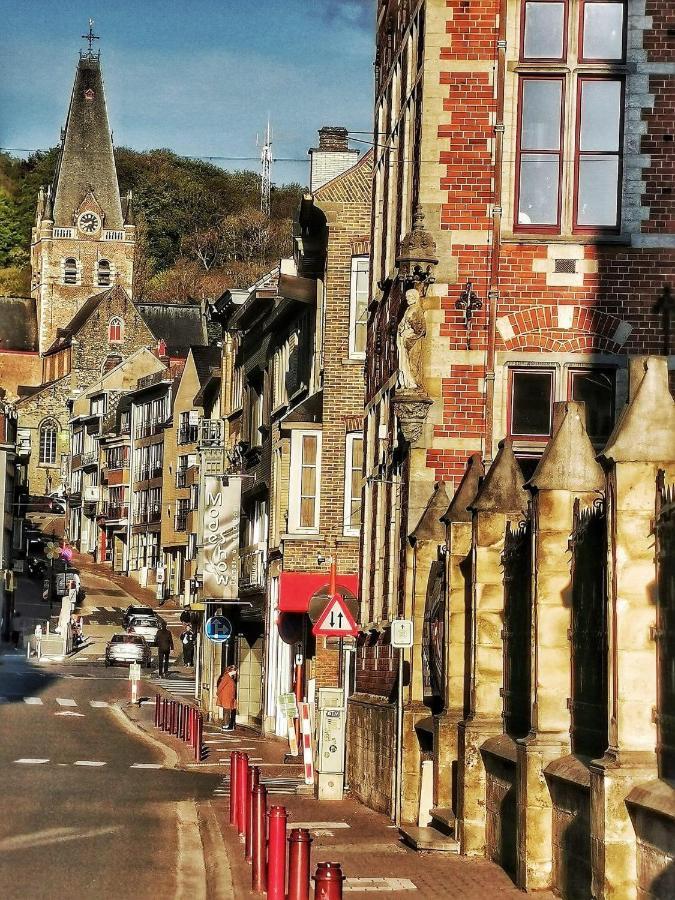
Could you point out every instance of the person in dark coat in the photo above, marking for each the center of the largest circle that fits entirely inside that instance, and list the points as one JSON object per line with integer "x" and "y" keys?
{"x": 187, "y": 639}
{"x": 164, "y": 648}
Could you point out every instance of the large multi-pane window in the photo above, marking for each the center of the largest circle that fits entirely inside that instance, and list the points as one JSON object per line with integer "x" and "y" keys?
{"x": 353, "y": 478}
{"x": 533, "y": 390}
{"x": 358, "y": 306}
{"x": 570, "y": 116}
{"x": 304, "y": 498}
{"x": 48, "y": 434}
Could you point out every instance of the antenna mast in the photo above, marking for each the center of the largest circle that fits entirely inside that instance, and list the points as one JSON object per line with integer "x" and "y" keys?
{"x": 266, "y": 172}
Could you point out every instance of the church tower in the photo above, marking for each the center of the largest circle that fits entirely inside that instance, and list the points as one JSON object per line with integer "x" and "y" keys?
{"x": 84, "y": 236}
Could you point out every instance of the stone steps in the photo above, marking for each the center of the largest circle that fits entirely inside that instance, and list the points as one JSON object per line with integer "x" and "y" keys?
{"x": 427, "y": 839}
{"x": 443, "y": 819}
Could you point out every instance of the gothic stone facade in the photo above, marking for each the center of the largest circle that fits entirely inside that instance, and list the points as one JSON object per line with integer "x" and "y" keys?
{"x": 566, "y": 258}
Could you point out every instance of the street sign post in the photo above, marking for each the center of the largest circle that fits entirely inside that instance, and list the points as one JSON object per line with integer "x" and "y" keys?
{"x": 335, "y": 620}
{"x": 218, "y": 629}
{"x": 402, "y": 633}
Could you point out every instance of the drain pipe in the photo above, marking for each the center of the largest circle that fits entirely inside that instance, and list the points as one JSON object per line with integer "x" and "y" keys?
{"x": 493, "y": 276}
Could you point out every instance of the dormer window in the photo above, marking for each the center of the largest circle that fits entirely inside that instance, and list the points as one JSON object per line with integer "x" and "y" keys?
{"x": 70, "y": 270}
{"x": 116, "y": 331}
{"x": 103, "y": 273}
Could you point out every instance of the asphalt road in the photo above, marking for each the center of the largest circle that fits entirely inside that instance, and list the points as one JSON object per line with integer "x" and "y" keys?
{"x": 90, "y": 808}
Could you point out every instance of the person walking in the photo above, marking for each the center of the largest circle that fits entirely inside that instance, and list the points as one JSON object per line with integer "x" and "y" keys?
{"x": 226, "y": 696}
{"x": 187, "y": 639}
{"x": 164, "y": 647}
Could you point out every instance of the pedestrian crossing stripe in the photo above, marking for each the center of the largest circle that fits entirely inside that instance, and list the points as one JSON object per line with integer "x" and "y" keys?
{"x": 32, "y": 701}
{"x": 62, "y": 701}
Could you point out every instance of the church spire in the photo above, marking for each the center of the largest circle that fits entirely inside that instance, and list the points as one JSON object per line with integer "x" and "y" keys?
{"x": 86, "y": 162}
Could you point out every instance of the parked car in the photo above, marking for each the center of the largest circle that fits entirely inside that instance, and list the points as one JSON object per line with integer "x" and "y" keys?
{"x": 128, "y": 648}
{"x": 146, "y": 626}
{"x": 136, "y": 611}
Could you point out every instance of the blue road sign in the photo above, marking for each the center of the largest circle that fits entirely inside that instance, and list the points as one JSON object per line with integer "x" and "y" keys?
{"x": 218, "y": 629}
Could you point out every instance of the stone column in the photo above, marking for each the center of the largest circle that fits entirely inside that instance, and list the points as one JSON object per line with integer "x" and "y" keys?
{"x": 567, "y": 470}
{"x": 501, "y": 499}
{"x": 457, "y": 520}
{"x": 642, "y": 443}
{"x": 428, "y": 535}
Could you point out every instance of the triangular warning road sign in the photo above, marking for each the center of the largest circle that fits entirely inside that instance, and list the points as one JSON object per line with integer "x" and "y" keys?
{"x": 335, "y": 620}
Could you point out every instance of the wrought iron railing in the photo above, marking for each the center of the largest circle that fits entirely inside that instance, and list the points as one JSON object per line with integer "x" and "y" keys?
{"x": 252, "y": 566}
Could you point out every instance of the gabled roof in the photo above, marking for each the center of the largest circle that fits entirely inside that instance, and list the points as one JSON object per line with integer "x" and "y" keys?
{"x": 352, "y": 186}
{"x": 180, "y": 326}
{"x": 64, "y": 335}
{"x": 86, "y": 162}
{"x": 207, "y": 363}
{"x": 18, "y": 324}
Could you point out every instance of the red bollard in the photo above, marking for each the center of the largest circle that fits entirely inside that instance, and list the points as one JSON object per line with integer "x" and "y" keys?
{"x": 299, "y": 847}
{"x": 252, "y": 783}
{"x": 276, "y": 853}
{"x": 157, "y": 705}
{"x": 242, "y": 785}
{"x": 179, "y": 720}
{"x": 162, "y": 713}
{"x": 165, "y": 714}
{"x": 188, "y": 724}
{"x": 172, "y": 715}
{"x": 198, "y": 737}
{"x": 234, "y": 774}
{"x": 259, "y": 861}
{"x": 175, "y": 718}
{"x": 328, "y": 881}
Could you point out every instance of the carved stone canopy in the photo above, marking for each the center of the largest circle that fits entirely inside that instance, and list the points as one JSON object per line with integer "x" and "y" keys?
{"x": 417, "y": 257}
{"x": 412, "y": 409}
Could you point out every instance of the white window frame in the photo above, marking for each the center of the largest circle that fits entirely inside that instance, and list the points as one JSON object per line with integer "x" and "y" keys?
{"x": 348, "y": 529}
{"x": 356, "y": 270}
{"x": 294, "y": 497}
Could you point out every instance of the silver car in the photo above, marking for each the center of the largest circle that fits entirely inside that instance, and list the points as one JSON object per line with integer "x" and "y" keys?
{"x": 128, "y": 648}
{"x": 146, "y": 626}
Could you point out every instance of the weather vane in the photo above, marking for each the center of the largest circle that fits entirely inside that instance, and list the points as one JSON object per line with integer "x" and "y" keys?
{"x": 91, "y": 37}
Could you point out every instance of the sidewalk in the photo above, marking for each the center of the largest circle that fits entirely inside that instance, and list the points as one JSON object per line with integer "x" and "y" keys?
{"x": 364, "y": 842}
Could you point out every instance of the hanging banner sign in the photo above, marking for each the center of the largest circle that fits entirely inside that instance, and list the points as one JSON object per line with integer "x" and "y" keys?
{"x": 220, "y": 551}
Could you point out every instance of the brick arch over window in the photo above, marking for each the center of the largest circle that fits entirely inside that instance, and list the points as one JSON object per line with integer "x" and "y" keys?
{"x": 49, "y": 431}
{"x": 563, "y": 329}
{"x": 116, "y": 330}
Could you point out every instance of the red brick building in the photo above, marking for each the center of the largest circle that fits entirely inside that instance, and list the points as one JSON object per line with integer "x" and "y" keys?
{"x": 523, "y": 188}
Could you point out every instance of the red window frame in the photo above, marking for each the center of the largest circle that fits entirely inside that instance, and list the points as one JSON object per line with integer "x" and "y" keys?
{"x": 578, "y": 153}
{"x": 529, "y": 370}
{"x": 115, "y": 330}
{"x": 531, "y": 228}
{"x": 593, "y": 370}
{"x": 595, "y": 59}
{"x": 543, "y": 59}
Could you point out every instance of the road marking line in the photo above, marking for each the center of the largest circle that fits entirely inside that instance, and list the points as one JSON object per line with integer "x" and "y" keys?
{"x": 31, "y": 762}
{"x": 98, "y": 704}
{"x": 379, "y": 885}
{"x": 32, "y": 701}
{"x": 145, "y": 766}
{"x": 88, "y": 762}
{"x": 65, "y": 701}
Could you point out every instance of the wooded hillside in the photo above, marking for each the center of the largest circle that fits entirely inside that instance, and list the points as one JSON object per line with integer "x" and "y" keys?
{"x": 199, "y": 227}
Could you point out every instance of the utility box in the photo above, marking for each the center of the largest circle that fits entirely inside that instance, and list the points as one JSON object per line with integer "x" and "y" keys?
{"x": 330, "y": 749}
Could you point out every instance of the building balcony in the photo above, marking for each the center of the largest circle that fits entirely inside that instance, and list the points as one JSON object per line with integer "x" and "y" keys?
{"x": 89, "y": 460}
{"x": 115, "y": 476}
{"x": 180, "y": 521}
{"x": 187, "y": 434}
{"x": 253, "y": 567}
{"x": 181, "y": 478}
{"x": 147, "y": 429}
{"x": 148, "y": 515}
{"x": 210, "y": 432}
{"x": 146, "y": 473}
{"x": 114, "y": 510}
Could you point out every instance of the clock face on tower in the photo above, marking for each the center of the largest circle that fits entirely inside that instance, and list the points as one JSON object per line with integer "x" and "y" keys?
{"x": 88, "y": 222}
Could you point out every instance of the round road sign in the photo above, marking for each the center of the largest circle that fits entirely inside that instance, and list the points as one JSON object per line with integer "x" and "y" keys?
{"x": 218, "y": 629}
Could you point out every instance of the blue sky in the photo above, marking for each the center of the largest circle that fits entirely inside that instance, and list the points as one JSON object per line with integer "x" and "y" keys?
{"x": 197, "y": 76}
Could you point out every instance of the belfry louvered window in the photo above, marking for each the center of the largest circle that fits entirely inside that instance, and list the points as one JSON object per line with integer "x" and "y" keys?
{"x": 70, "y": 270}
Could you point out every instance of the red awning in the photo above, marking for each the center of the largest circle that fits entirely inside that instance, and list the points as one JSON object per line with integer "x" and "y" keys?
{"x": 296, "y": 589}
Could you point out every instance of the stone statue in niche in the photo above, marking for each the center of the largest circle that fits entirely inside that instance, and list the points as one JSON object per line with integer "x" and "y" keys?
{"x": 412, "y": 328}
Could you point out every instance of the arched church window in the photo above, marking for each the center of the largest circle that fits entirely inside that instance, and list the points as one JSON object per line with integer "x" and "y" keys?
{"x": 48, "y": 433}
{"x": 103, "y": 273}
{"x": 70, "y": 271}
{"x": 116, "y": 330}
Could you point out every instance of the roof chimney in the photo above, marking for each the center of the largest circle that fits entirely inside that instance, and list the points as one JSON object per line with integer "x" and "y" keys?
{"x": 332, "y": 157}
